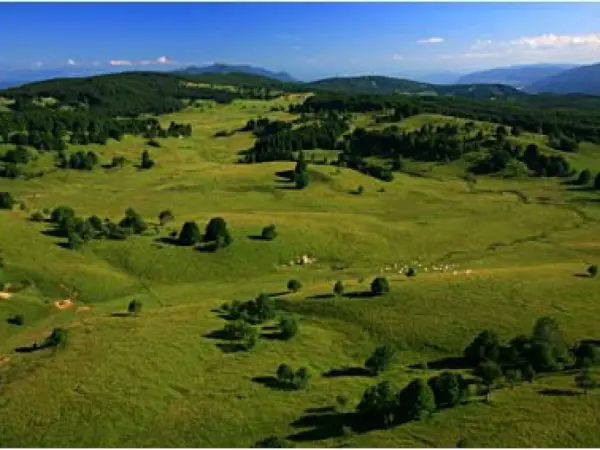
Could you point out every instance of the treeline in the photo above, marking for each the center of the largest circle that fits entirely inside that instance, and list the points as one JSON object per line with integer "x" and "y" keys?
{"x": 121, "y": 95}
{"x": 564, "y": 118}
{"x": 281, "y": 145}
{"x": 52, "y": 130}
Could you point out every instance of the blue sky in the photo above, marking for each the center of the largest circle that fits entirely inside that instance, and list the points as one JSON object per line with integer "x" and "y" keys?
{"x": 306, "y": 39}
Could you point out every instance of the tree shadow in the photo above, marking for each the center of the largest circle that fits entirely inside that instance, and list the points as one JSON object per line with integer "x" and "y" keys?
{"x": 558, "y": 392}
{"x": 581, "y": 188}
{"x": 321, "y": 410}
{"x": 53, "y": 232}
{"x": 121, "y": 314}
{"x": 231, "y": 347}
{"x": 348, "y": 372}
{"x": 285, "y": 174}
{"x": 449, "y": 363}
{"x": 210, "y": 247}
{"x": 218, "y": 334}
{"x": 256, "y": 237}
{"x": 582, "y": 275}
{"x": 326, "y": 426}
{"x": 272, "y": 336}
{"x": 170, "y": 241}
{"x": 14, "y": 321}
{"x": 64, "y": 245}
{"x": 363, "y": 294}
{"x": 320, "y": 296}
{"x": 30, "y": 348}
{"x": 272, "y": 383}
{"x": 287, "y": 188}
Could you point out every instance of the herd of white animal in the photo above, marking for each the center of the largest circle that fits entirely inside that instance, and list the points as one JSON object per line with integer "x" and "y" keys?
{"x": 418, "y": 266}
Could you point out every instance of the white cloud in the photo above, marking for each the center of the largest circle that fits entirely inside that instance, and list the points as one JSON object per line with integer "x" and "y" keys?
{"x": 71, "y": 62}
{"x": 120, "y": 62}
{"x": 397, "y": 57}
{"x": 143, "y": 62}
{"x": 554, "y": 40}
{"x": 164, "y": 60}
{"x": 39, "y": 64}
{"x": 432, "y": 40}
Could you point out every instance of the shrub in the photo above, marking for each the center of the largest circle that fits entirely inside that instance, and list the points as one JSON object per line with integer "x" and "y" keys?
{"x": 6, "y": 200}
{"x": 133, "y": 221}
{"x": 17, "y": 319}
{"x": 288, "y": 327}
{"x": 118, "y": 161}
{"x": 167, "y": 216}
{"x": 294, "y": 285}
{"x": 586, "y": 355}
{"x": 410, "y": 272}
{"x": 380, "y": 286}
{"x": 379, "y": 402}
{"x": 585, "y": 176}
{"x": 37, "y": 217}
{"x": 338, "y": 288}
{"x": 342, "y": 400}
{"x": 489, "y": 372}
{"x": 586, "y": 381}
{"x": 61, "y": 213}
{"x": 75, "y": 241}
{"x": 57, "y": 339}
{"x": 417, "y": 400}
{"x": 250, "y": 338}
{"x": 147, "y": 162}
{"x": 287, "y": 378}
{"x": 449, "y": 389}
{"x": 269, "y": 233}
{"x": 360, "y": 190}
{"x": 190, "y": 234}
{"x": 216, "y": 231}
{"x": 272, "y": 442}
{"x": 380, "y": 359}
{"x": 134, "y": 307}
{"x": 485, "y": 346}
{"x": 301, "y": 179}
{"x": 592, "y": 270}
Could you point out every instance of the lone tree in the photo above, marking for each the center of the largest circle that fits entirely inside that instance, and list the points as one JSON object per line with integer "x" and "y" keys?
{"x": 410, "y": 272}
{"x": 269, "y": 233}
{"x": 288, "y": 327}
{"x": 216, "y": 231}
{"x": 57, "y": 339}
{"x": 381, "y": 359}
{"x": 165, "y": 217}
{"x": 592, "y": 270}
{"x": 380, "y": 286}
{"x": 134, "y": 307}
{"x": 489, "y": 372}
{"x": 586, "y": 381}
{"x": 6, "y": 200}
{"x": 189, "y": 234}
{"x": 449, "y": 389}
{"x": 301, "y": 179}
{"x": 486, "y": 346}
{"x": 146, "y": 162}
{"x": 379, "y": 402}
{"x": 294, "y": 285}
{"x": 133, "y": 221}
{"x": 338, "y": 288}
{"x": 61, "y": 213}
{"x": 585, "y": 176}
{"x": 417, "y": 400}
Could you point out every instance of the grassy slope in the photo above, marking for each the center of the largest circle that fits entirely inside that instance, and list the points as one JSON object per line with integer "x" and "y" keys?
{"x": 156, "y": 380}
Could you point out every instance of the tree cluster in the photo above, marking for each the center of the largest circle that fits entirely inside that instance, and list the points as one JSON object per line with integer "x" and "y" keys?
{"x": 255, "y": 311}
{"x": 287, "y": 378}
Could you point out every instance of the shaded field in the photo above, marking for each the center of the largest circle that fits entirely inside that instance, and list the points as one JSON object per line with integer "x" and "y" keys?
{"x": 159, "y": 379}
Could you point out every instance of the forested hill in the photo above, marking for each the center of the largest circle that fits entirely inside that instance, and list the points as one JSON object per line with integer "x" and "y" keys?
{"x": 389, "y": 85}
{"x": 132, "y": 93}
{"x": 582, "y": 80}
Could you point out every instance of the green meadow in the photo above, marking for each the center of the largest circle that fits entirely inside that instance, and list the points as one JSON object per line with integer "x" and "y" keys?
{"x": 513, "y": 247}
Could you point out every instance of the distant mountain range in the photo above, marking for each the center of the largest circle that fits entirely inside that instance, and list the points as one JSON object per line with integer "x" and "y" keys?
{"x": 493, "y": 83}
{"x": 228, "y": 69}
{"x": 517, "y": 76}
{"x": 580, "y": 80}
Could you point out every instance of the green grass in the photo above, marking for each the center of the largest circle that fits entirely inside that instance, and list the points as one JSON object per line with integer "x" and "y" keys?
{"x": 157, "y": 380}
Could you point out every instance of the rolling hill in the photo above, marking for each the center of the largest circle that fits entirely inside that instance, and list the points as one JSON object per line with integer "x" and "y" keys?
{"x": 389, "y": 85}
{"x": 580, "y": 80}
{"x": 516, "y": 76}
{"x": 229, "y": 69}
